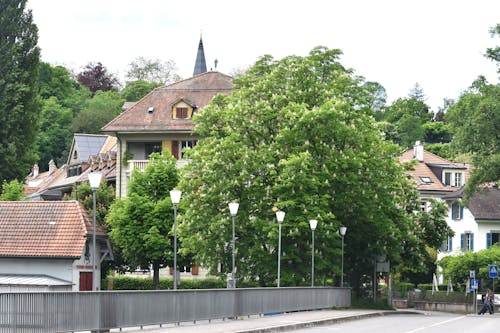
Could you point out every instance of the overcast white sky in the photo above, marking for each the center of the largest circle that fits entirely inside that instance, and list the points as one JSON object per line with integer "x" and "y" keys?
{"x": 437, "y": 43}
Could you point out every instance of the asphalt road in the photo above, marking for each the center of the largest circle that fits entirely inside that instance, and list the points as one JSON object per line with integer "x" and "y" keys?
{"x": 433, "y": 322}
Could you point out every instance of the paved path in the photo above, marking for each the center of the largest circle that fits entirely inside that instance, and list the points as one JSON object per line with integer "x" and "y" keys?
{"x": 266, "y": 324}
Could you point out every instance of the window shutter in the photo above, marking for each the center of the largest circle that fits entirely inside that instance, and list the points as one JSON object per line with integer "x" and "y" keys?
{"x": 461, "y": 212}
{"x": 442, "y": 248}
{"x": 450, "y": 244}
{"x": 462, "y": 242}
{"x": 175, "y": 149}
{"x": 472, "y": 242}
{"x": 453, "y": 209}
{"x": 488, "y": 240}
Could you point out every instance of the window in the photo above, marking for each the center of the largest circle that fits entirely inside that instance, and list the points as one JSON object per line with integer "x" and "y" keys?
{"x": 181, "y": 112}
{"x": 424, "y": 206}
{"x": 426, "y": 180}
{"x": 447, "y": 178}
{"x": 492, "y": 238}
{"x": 454, "y": 179}
{"x": 185, "y": 145}
{"x": 467, "y": 241}
{"x": 457, "y": 211}
{"x": 447, "y": 245}
{"x": 151, "y": 147}
{"x": 458, "y": 179}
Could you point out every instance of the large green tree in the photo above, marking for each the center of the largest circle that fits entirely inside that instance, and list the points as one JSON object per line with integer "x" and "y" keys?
{"x": 152, "y": 70}
{"x": 55, "y": 135}
{"x": 141, "y": 223}
{"x": 136, "y": 90}
{"x": 102, "y": 108}
{"x": 405, "y": 117}
{"x": 298, "y": 135}
{"x": 475, "y": 123}
{"x": 19, "y": 101}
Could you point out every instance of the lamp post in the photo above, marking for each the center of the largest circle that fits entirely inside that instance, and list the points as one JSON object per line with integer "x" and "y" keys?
{"x": 233, "y": 209}
{"x": 175, "y": 196}
{"x": 312, "y": 224}
{"x": 342, "y": 231}
{"x": 280, "y": 216}
{"x": 94, "y": 180}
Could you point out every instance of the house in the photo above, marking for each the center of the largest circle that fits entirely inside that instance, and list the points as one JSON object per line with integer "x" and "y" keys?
{"x": 47, "y": 246}
{"x": 477, "y": 224}
{"x": 88, "y": 153}
{"x": 162, "y": 120}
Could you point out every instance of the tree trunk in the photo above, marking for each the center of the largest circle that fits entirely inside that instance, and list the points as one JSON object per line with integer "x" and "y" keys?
{"x": 156, "y": 275}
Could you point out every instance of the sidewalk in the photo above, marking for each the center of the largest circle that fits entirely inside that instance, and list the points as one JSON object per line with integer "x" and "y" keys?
{"x": 270, "y": 323}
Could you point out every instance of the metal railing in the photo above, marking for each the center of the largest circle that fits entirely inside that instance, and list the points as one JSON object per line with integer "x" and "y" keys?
{"x": 96, "y": 311}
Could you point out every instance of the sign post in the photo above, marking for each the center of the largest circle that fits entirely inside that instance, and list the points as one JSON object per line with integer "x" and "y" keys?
{"x": 493, "y": 274}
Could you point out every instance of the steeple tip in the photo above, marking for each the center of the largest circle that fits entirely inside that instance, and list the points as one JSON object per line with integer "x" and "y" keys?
{"x": 200, "y": 65}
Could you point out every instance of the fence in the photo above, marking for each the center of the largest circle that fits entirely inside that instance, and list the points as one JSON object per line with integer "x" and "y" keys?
{"x": 95, "y": 311}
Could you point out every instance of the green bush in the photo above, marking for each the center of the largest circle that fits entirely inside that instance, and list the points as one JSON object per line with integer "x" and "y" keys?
{"x": 452, "y": 297}
{"x": 122, "y": 282}
{"x": 404, "y": 287}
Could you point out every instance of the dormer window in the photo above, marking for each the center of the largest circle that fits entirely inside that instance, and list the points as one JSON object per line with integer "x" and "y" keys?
{"x": 183, "y": 109}
{"x": 454, "y": 179}
{"x": 181, "y": 112}
{"x": 458, "y": 179}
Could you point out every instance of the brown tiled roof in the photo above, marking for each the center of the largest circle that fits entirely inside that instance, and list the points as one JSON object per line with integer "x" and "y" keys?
{"x": 57, "y": 229}
{"x": 423, "y": 169}
{"x": 484, "y": 204}
{"x": 198, "y": 90}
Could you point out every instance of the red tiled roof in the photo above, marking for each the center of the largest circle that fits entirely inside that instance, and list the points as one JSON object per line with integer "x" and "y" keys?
{"x": 198, "y": 90}
{"x": 56, "y": 229}
{"x": 423, "y": 169}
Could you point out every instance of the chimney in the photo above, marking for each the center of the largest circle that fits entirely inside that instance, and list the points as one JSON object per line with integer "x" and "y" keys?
{"x": 52, "y": 167}
{"x": 34, "y": 171}
{"x": 418, "y": 151}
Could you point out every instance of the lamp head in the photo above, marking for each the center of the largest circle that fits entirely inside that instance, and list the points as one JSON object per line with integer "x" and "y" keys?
{"x": 94, "y": 180}
{"x": 233, "y": 208}
{"x": 280, "y": 216}
{"x": 342, "y": 230}
{"x": 313, "y": 224}
{"x": 175, "y": 196}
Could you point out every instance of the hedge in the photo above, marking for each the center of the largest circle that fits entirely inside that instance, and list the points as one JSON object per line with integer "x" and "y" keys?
{"x": 123, "y": 282}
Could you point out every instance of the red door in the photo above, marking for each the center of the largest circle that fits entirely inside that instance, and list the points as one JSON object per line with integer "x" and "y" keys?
{"x": 85, "y": 281}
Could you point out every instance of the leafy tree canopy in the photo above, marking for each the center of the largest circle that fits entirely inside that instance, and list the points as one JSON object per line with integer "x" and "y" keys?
{"x": 493, "y": 53}
{"x": 96, "y": 77}
{"x": 140, "y": 224}
{"x": 12, "y": 191}
{"x": 55, "y": 135}
{"x": 19, "y": 101}
{"x": 153, "y": 71}
{"x": 136, "y": 90}
{"x": 298, "y": 135}
{"x": 457, "y": 267}
{"x": 475, "y": 123}
{"x": 101, "y": 109}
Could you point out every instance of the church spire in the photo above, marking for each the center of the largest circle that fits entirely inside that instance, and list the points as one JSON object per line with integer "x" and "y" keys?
{"x": 200, "y": 65}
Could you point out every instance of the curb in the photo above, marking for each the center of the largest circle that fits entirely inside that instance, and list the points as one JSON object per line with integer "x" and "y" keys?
{"x": 323, "y": 322}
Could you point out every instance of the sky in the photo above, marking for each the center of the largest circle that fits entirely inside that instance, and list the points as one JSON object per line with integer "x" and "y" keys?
{"x": 438, "y": 44}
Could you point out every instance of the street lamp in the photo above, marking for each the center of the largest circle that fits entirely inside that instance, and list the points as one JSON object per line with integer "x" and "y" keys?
{"x": 175, "y": 196}
{"x": 280, "y": 216}
{"x": 312, "y": 224}
{"x": 233, "y": 209}
{"x": 94, "y": 180}
{"x": 342, "y": 231}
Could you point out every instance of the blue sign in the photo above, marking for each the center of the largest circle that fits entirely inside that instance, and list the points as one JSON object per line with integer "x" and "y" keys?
{"x": 472, "y": 274}
{"x": 493, "y": 271}
{"x": 474, "y": 284}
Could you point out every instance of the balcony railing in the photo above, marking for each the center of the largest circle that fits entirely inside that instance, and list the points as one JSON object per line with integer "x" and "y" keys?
{"x": 142, "y": 164}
